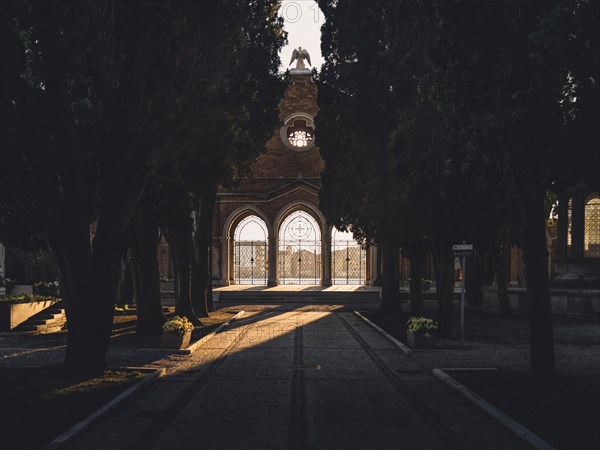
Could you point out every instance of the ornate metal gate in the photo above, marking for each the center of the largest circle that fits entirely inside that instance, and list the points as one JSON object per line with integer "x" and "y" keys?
{"x": 299, "y": 250}
{"x": 591, "y": 232}
{"x": 250, "y": 256}
{"x": 348, "y": 259}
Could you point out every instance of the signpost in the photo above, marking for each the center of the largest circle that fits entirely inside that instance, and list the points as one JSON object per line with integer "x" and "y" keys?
{"x": 462, "y": 250}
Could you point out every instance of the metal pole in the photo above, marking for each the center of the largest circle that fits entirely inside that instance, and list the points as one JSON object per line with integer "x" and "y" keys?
{"x": 462, "y": 302}
{"x": 347, "y": 263}
{"x": 252, "y": 260}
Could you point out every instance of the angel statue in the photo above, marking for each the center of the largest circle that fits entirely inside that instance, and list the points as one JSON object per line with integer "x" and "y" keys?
{"x": 300, "y": 54}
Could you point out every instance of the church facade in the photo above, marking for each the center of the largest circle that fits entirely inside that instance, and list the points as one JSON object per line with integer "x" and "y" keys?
{"x": 269, "y": 230}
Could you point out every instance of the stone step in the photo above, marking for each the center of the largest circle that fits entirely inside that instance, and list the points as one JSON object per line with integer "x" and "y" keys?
{"x": 41, "y": 321}
{"x": 301, "y": 297}
{"x": 50, "y": 320}
{"x": 50, "y": 315}
{"x": 41, "y": 328}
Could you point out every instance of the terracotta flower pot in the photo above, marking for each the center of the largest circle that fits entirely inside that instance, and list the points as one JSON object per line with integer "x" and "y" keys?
{"x": 175, "y": 341}
{"x": 419, "y": 341}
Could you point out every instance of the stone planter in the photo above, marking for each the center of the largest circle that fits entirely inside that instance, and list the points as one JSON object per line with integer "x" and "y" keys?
{"x": 12, "y": 315}
{"x": 419, "y": 341}
{"x": 175, "y": 341}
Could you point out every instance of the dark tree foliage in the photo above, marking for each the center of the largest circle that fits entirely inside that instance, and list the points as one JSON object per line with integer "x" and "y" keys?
{"x": 235, "y": 109}
{"x": 448, "y": 121}
{"x": 96, "y": 95}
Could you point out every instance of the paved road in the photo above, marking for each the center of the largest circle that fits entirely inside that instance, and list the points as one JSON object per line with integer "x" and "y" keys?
{"x": 294, "y": 379}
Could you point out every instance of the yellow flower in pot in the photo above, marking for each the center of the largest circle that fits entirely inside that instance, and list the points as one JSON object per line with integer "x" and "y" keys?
{"x": 421, "y": 332}
{"x": 177, "y": 333}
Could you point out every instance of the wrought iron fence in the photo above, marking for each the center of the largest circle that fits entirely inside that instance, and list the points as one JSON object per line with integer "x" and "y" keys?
{"x": 300, "y": 262}
{"x": 251, "y": 262}
{"x": 591, "y": 230}
{"x": 348, "y": 263}
{"x": 299, "y": 250}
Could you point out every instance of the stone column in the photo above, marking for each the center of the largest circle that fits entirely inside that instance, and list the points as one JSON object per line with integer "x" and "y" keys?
{"x": 231, "y": 260}
{"x": 224, "y": 260}
{"x": 326, "y": 259}
{"x": 367, "y": 279}
{"x": 273, "y": 245}
{"x": 578, "y": 217}
{"x": 376, "y": 265}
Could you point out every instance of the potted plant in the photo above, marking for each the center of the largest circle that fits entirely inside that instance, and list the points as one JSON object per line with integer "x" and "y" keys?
{"x": 46, "y": 288}
{"x": 426, "y": 285}
{"x": 177, "y": 333}
{"x": 421, "y": 332}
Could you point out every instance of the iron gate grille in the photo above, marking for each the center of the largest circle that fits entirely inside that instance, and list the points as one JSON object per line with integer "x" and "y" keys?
{"x": 299, "y": 250}
{"x": 299, "y": 263}
{"x": 251, "y": 252}
{"x": 348, "y": 263}
{"x": 591, "y": 233}
{"x": 251, "y": 265}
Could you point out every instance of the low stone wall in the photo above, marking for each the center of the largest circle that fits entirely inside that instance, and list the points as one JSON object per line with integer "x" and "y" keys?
{"x": 12, "y": 315}
{"x": 564, "y": 300}
{"x": 20, "y": 289}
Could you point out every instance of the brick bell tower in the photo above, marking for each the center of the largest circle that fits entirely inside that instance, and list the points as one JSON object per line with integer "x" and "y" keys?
{"x": 269, "y": 230}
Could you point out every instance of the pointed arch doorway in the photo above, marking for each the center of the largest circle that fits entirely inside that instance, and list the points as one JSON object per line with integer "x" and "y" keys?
{"x": 251, "y": 251}
{"x": 299, "y": 251}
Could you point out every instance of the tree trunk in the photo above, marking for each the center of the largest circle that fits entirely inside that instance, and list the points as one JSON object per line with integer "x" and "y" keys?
{"x": 150, "y": 317}
{"x": 177, "y": 208}
{"x": 90, "y": 270}
{"x": 444, "y": 260}
{"x": 474, "y": 281}
{"x": 488, "y": 271}
{"x": 198, "y": 288}
{"x": 180, "y": 247}
{"x": 415, "y": 256}
{"x": 390, "y": 295}
{"x": 125, "y": 288}
{"x": 201, "y": 269}
{"x": 89, "y": 286}
{"x": 502, "y": 267}
{"x": 209, "y": 289}
{"x": 210, "y": 210}
{"x": 541, "y": 335}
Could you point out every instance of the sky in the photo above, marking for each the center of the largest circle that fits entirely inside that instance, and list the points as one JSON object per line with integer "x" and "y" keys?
{"x": 303, "y": 20}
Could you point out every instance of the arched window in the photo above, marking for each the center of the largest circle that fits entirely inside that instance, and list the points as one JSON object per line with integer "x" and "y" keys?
{"x": 591, "y": 233}
{"x": 251, "y": 265}
{"x": 348, "y": 259}
{"x": 299, "y": 250}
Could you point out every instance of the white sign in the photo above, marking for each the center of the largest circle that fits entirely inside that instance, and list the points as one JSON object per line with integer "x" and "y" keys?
{"x": 462, "y": 249}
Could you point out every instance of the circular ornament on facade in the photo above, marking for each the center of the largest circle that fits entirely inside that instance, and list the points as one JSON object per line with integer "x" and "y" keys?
{"x": 298, "y": 132}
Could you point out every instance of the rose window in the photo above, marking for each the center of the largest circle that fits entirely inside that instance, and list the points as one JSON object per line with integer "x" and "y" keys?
{"x": 298, "y": 132}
